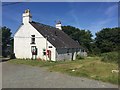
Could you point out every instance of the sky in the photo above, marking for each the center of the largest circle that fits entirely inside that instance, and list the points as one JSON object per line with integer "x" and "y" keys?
{"x": 93, "y": 16}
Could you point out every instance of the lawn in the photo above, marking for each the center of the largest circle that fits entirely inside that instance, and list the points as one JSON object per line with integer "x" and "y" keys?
{"x": 90, "y": 67}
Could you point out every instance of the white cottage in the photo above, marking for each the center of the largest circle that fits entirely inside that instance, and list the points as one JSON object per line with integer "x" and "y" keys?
{"x": 38, "y": 41}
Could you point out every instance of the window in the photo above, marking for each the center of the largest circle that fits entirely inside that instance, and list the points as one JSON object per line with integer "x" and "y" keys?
{"x": 68, "y": 51}
{"x": 33, "y": 39}
{"x": 50, "y": 46}
{"x": 44, "y": 52}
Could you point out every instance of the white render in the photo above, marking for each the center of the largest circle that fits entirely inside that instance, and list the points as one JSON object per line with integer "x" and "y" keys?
{"x": 59, "y": 26}
{"x": 22, "y": 40}
{"x": 22, "y": 43}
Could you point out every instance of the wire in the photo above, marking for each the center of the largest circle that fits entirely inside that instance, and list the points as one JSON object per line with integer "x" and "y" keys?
{"x": 11, "y": 3}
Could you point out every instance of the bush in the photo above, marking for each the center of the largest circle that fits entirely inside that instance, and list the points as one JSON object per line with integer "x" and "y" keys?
{"x": 110, "y": 57}
{"x": 79, "y": 57}
{"x": 12, "y": 56}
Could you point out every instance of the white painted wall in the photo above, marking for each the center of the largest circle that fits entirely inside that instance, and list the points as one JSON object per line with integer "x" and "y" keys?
{"x": 82, "y": 53}
{"x": 22, "y": 40}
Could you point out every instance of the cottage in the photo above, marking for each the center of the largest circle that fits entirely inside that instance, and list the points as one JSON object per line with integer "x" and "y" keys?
{"x": 39, "y": 41}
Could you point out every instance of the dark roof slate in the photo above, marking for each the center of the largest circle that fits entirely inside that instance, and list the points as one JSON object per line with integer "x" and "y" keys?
{"x": 55, "y": 36}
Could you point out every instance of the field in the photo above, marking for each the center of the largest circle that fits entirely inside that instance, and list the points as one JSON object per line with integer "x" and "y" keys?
{"x": 90, "y": 67}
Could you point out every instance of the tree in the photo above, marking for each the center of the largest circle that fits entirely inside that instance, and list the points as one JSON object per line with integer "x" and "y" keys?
{"x": 108, "y": 39}
{"x": 6, "y": 39}
{"x": 84, "y": 37}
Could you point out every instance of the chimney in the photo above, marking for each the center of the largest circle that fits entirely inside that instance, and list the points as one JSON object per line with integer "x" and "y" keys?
{"x": 27, "y": 17}
{"x": 59, "y": 25}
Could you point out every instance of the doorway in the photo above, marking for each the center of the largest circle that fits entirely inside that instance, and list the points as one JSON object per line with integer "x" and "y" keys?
{"x": 34, "y": 52}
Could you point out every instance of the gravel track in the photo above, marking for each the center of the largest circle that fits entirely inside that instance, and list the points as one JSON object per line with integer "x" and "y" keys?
{"x": 24, "y": 76}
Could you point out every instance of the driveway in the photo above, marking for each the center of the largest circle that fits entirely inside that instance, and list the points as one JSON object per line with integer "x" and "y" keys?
{"x": 23, "y": 76}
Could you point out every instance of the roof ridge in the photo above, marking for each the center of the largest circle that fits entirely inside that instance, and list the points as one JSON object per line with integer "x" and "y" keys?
{"x": 45, "y": 25}
{"x": 61, "y": 39}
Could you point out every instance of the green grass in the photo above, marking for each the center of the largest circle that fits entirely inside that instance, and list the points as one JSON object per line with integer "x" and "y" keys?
{"x": 90, "y": 67}
{"x": 32, "y": 62}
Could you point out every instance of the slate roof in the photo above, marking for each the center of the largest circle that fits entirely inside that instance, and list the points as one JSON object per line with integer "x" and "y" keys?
{"x": 55, "y": 36}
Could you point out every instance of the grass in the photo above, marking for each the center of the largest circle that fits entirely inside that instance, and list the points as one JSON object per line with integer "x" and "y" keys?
{"x": 90, "y": 67}
{"x": 32, "y": 62}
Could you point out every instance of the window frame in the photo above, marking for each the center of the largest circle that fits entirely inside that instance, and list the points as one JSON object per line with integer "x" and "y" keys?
{"x": 32, "y": 39}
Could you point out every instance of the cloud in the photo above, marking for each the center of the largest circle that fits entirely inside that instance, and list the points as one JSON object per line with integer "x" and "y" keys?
{"x": 72, "y": 13}
{"x": 111, "y": 15}
{"x": 72, "y": 18}
{"x": 99, "y": 24}
{"x": 112, "y": 10}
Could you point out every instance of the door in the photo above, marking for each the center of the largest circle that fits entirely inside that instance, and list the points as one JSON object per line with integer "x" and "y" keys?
{"x": 34, "y": 52}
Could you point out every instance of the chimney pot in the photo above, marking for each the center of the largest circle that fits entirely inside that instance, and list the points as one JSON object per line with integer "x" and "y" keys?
{"x": 27, "y": 17}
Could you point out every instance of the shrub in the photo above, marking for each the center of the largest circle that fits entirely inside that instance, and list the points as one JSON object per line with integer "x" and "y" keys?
{"x": 110, "y": 57}
{"x": 79, "y": 57}
{"x": 12, "y": 56}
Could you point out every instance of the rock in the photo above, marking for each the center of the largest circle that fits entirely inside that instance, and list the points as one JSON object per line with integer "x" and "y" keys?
{"x": 116, "y": 71}
{"x": 73, "y": 70}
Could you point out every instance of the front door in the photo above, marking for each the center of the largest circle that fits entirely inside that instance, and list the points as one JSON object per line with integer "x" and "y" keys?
{"x": 34, "y": 52}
